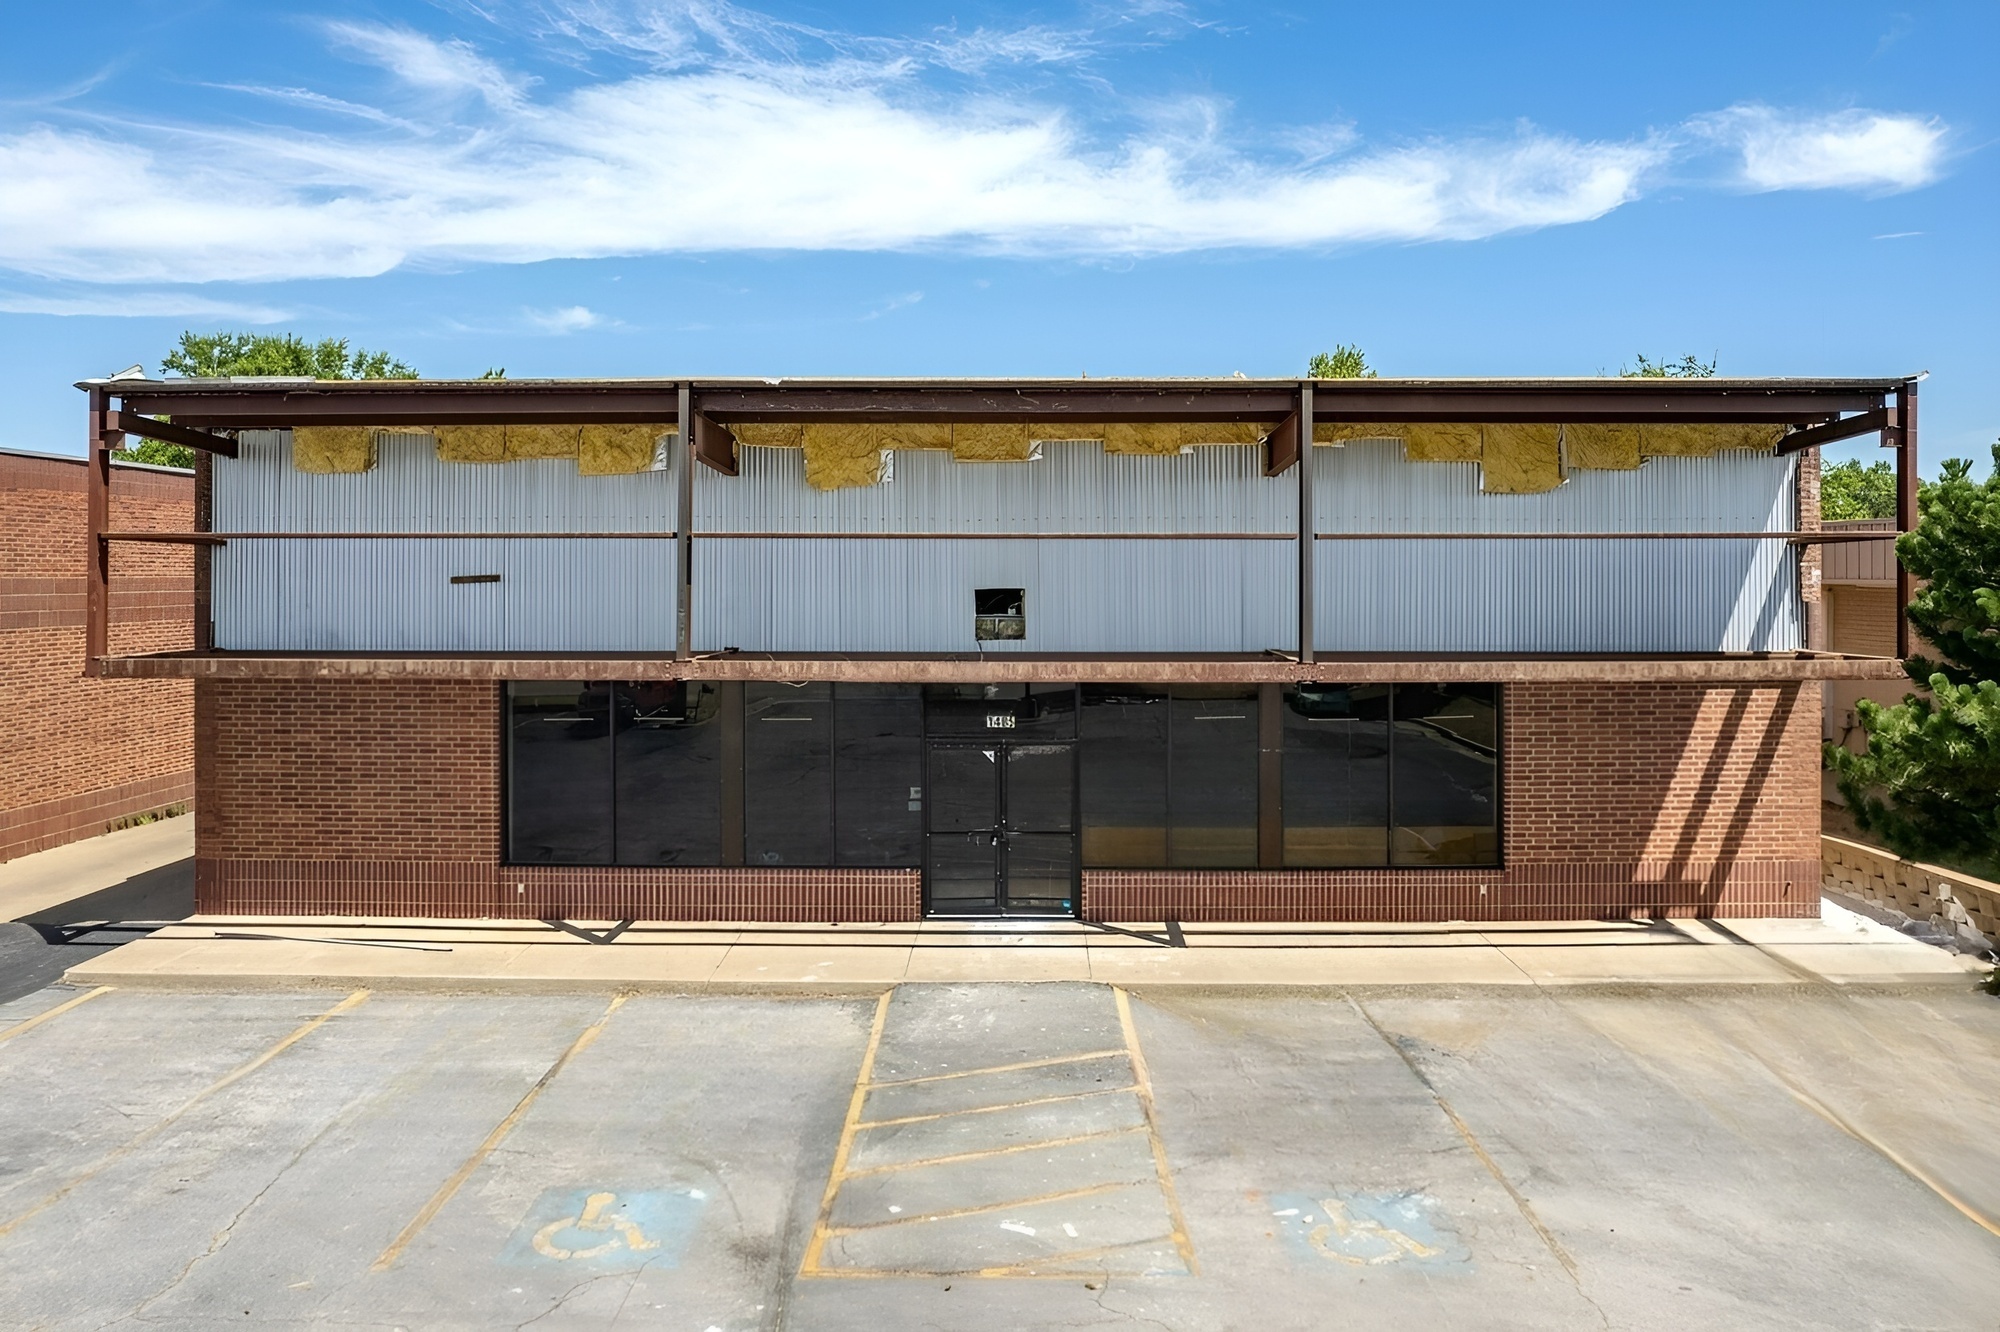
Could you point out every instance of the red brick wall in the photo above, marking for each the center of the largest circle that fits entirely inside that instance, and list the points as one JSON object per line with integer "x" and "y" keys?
{"x": 81, "y": 754}
{"x": 1675, "y": 799}
{"x": 332, "y": 797}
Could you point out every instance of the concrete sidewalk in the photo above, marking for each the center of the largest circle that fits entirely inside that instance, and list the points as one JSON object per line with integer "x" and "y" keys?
{"x": 535, "y": 957}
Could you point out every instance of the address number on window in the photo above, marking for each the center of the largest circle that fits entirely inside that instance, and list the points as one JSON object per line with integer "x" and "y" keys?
{"x": 999, "y": 721}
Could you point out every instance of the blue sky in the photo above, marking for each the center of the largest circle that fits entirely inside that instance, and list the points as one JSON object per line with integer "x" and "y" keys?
{"x": 618, "y": 187}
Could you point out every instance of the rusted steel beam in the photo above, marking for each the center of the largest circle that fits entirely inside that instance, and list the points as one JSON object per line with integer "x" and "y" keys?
{"x": 167, "y": 538}
{"x": 204, "y": 557}
{"x": 245, "y": 405}
{"x": 714, "y": 446}
{"x": 684, "y": 525}
{"x": 1281, "y": 446}
{"x": 426, "y": 536}
{"x": 1797, "y": 538}
{"x": 1719, "y": 668}
{"x": 1828, "y": 432}
{"x": 1308, "y": 555}
{"x": 1906, "y": 505}
{"x": 132, "y": 423}
{"x": 98, "y": 441}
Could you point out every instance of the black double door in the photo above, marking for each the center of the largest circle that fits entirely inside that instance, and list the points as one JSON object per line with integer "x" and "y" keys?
{"x": 1001, "y": 832}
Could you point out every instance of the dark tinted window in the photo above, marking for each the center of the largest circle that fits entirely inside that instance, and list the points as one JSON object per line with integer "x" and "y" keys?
{"x": 1212, "y": 776}
{"x": 559, "y": 798}
{"x": 1124, "y": 775}
{"x": 878, "y": 772}
{"x": 1447, "y": 804}
{"x": 1336, "y": 775}
{"x": 788, "y": 774}
{"x": 669, "y": 773}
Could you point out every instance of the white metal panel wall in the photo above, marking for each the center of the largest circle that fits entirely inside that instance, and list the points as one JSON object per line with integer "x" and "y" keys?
{"x": 1554, "y": 596}
{"x": 396, "y": 595}
{"x": 1073, "y": 487}
{"x": 845, "y": 595}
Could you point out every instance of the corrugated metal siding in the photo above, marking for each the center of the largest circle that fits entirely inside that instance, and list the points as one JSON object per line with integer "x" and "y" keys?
{"x": 1867, "y": 562}
{"x": 1071, "y": 488}
{"x": 803, "y": 595}
{"x": 1554, "y": 596}
{"x": 396, "y": 595}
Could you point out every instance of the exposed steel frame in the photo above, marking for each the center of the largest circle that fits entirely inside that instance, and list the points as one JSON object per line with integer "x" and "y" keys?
{"x": 206, "y": 413}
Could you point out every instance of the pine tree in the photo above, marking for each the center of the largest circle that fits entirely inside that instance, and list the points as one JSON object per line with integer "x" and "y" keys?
{"x": 1929, "y": 783}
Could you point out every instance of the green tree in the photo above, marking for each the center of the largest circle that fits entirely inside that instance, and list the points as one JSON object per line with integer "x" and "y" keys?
{"x": 1849, "y": 491}
{"x": 1927, "y": 783}
{"x": 1343, "y": 362}
{"x": 221, "y": 355}
{"x": 1688, "y": 367}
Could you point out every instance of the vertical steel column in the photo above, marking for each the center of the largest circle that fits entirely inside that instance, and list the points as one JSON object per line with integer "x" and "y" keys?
{"x": 1906, "y": 504}
{"x": 1270, "y": 776}
{"x": 97, "y": 599}
{"x": 684, "y": 529}
{"x": 1306, "y": 523}
{"x": 204, "y": 556}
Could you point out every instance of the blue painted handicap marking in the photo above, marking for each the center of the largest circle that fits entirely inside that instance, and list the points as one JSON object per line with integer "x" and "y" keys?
{"x": 1347, "y": 1229}
{"x": 606, "y": 1228}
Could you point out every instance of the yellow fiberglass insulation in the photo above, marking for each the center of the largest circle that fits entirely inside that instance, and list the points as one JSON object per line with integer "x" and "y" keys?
{"x": 1704, "y": 441}
{"x": 769, "y": 434}
{"x": 1064, "y": 432}
{"x": 1339, "y": 432}
{"x": 616, "y": 450}
{"x": 1609, "y": 448}
{"x": 1520, "y": 459}
{"x": 541, "y": 441}
{"x": 917, "y": 435}
{"x": 839, "y": 457}
{"x": 1148, "y": 437}
{"x": 1224, "y": 432}
{"x": 1440, "y": 442}
{"x": 971, "y": 442}
{"x": 472, "y": 443}
{"x": 328, "y": 449}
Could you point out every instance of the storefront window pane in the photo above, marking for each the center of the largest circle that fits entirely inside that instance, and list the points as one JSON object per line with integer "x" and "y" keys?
{"x": 878, "y": 772}
{"x": 1124, "y": 775}
{"x": 1336, "y": 788}
{"x": 559, "y": 787}
{"x": 788, "y": 774}
{"x": 1212, "y": 776}
{"x": 1447, "y": 794}
{"x": 669, "y": 774}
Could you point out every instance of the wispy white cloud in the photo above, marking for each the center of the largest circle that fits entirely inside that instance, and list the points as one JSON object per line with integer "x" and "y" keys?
{"x": 893, "y": 304}
{"x": 129, "y": 304}
{"x": 567, "y": 319}
{"x": 1873, "y": 151}
{"x": 739, "y": 132}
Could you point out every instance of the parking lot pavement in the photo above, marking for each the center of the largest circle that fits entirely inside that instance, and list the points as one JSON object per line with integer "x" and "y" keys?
{"x": 65, "y": 906}
{"x": 1002, "y": 1155}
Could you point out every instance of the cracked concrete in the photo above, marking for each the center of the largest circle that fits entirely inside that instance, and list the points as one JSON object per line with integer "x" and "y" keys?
{"x": 1784, "y": 1156}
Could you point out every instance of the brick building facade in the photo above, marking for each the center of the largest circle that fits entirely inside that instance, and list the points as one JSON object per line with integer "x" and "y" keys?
{"x": 1195, "y": 650}
{"x": 84, "y": 754}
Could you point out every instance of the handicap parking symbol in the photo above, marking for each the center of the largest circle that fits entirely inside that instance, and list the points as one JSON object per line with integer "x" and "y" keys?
{"x": 606, "y": 1227}
{"x": 1342, "y": 1228}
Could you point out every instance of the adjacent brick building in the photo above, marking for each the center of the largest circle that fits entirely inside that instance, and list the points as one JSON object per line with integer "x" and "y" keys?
{"x": 82, "y": 755}
{"x": 1206, "y": 650}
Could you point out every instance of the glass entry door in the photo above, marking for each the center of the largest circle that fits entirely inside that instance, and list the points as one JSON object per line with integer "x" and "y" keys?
{"x": 1001, "y": 838}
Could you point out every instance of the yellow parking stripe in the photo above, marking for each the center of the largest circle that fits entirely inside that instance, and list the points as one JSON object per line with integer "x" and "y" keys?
{"x": 1145, "y": 1083}
{"x": 1009, "y": 1150}
{"x": 1005, "y": 1068}
{"x": 817, "y": 1247}
{"x": 1010, "y": 1205}
{"x": 989, "y": 1109}
{"x": 241, "y": 1071}
{"x": 64, "y": 1007}
{"x": 451, "y": 1186}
